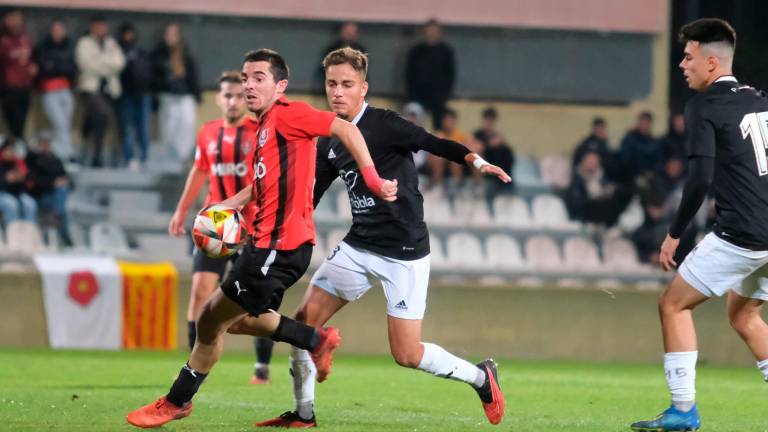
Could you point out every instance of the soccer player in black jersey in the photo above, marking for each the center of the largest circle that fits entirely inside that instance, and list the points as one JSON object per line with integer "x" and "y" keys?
{"x": 728, "y": 124}
{"x": 388, "y": 241}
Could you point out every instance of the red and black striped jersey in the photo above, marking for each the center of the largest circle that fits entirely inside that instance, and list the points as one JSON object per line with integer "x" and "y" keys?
{"x": 226, "y": 154}
{"x": 285, "y": 174}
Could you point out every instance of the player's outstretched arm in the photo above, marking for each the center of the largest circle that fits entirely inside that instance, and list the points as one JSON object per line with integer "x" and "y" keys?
{"x": 195, "y": 181}
{"x": 480, "y": 164}
{"x": 353, "y": 140}
{"x": 240, "y": 199}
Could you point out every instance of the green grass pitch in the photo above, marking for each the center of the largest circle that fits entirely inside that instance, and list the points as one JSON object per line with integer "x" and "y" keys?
{"x": 43, "y": 390}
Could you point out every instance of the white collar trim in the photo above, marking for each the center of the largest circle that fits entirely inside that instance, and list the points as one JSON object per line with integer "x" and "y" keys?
{"x": 725, "y": 78}
{"x": 360, "y": 114}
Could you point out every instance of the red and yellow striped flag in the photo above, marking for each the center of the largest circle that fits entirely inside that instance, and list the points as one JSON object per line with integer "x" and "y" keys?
{"x": 149, "y": 305}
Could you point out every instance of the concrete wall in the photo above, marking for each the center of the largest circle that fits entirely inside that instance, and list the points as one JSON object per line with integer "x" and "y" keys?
{"x": 504, "y": 322}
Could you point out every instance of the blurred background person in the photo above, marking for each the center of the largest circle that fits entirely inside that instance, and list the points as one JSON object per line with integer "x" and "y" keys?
{"x": 100, "y": 61}
{"x": 348, "y": 36}
{"x": 15, "y": 201}
{"x": 673, "y": 143}
{"x": 55, "y": 57}
{"x": 496, "y": 151}
{"x": 430, "y": 72}
{"x": 178, "y": 88}
{"x": 134, "y": 105}
{"x": 17, "y": 71}
{"x": 49, "y": 184}
{"x": 640, "y": 153}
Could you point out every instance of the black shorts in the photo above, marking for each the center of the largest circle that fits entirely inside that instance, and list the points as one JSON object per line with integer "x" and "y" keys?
{"x": 259, "y": 278}
{"x": 203, "y": 263}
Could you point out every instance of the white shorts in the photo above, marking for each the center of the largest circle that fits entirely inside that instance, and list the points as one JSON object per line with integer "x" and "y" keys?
{"x": 715, "y": 266}
{"x": 345, "y": 274}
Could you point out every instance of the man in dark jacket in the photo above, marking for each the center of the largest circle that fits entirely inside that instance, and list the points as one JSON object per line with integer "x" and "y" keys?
{"x": 134, "y": 104}
{"x": 640, "y": 153}
{"x": 55, "y": 56}
{"x": 17, "y": 71}
{"x": 431, "y": 72}
{"x": 49, "y": 184}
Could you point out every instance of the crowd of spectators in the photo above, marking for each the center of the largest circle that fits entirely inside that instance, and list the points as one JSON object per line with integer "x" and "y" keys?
{"x": 112, "y": 76}
{"x": 650, "y": 168}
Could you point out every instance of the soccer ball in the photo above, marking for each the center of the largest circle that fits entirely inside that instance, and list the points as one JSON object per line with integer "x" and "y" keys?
{"x": 219, "y": 231}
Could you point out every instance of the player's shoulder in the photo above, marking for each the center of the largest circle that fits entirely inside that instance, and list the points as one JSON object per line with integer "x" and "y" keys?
{"x": 250, "y": 122}
{"x": 213, "y": 123}
{"x": 383, "y": 117}
{"x": 211, "y": 126}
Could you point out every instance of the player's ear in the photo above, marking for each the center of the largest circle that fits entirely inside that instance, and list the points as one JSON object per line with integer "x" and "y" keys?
{"x": 364, "y": 88}
{"x": 282, "y": 85}
{"x": 712, "y": 63}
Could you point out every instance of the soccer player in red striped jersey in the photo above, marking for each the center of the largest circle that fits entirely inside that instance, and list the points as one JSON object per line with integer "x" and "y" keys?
{"x": 284, "y": 234}
{"x": 224, "y": 156}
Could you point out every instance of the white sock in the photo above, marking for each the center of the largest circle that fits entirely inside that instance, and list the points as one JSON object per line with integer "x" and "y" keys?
{"x": 303, "y": 374}
{"x": 680, "y": 368}
{"x": 441, "y": 363}
{"x": 763, "y": 366}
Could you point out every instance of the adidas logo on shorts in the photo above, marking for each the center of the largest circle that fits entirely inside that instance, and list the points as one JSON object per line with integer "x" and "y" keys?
{"x": 331, "y": 154}
{"x": 401, "y": 305}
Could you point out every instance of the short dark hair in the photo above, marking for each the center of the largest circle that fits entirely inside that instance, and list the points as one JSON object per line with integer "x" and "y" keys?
{"x": 232, "y": 77}
{"x": 647, "y": 115}
{"x": 98, "y": 17}
{"x": 598, "y": 121}
{"x": 277, "y": 64}
{"x": 355, "y": 58}
{"x": 490, "y": 113}
{"x": 708, "y": 30}
{"x": 449, "y": 112}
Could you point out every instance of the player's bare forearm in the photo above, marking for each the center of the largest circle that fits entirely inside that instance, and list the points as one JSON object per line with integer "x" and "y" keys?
{"x": 195, "y": 181}
{"x": 240, "y": 199}
{"x": 474, "y": 160}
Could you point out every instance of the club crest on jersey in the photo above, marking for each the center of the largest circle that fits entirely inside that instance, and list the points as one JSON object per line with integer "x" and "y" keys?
{"x": 263, "y": 135}
{"x": 246, "y": 146}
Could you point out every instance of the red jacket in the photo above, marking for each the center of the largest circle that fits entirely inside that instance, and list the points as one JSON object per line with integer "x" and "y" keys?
{"x": 15, "y": 60}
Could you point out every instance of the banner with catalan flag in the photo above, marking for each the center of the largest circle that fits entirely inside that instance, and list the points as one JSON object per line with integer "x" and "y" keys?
{"x": 101, "y": 303}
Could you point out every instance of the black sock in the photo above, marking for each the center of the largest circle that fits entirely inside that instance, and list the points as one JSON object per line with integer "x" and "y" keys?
{"x": 191, "y": 334}
{"x": 263, "y": 347}
{"x": 185, "y": 386}
{"x": 297, "y": 334}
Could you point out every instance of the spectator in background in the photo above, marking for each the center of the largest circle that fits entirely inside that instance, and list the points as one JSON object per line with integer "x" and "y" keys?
{"x": 592, "y": 197}
{"x": 597, "y": 142}
{"x": 494, "y": 149}
{"x": 134, "y": 104}
{"x": 660, "y": 201}
{"x": 449, "y": 129}
{"x": 17, "y": 71}
{"x": 55, "y": 57}
{"x": 49, "y": 184}
{"x": 176, "y": 81}
{"x": 640, "y": 152}
{"x": 100, "y": 61}
{"x": 673, "y": 143}
{"x": 414, "y": 112}
{"x": 349, "y": 36}
{"x": 15, "y": 202}
{"x": 431, "y": 72}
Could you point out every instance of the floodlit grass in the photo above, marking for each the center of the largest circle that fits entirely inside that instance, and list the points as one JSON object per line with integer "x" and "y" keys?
{"x": 92, "y": 391}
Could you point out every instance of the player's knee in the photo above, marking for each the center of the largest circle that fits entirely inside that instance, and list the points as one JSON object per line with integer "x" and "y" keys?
{"x": 238, "y": 328}
{"x": 208, "y": 330}
{"x": 742, "y": 323}
{"x": 410, "y": 358}
{"x": 667, "y": 306}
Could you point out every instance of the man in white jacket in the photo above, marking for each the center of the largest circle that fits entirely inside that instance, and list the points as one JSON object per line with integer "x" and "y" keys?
{"x": 100, "y": 60}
